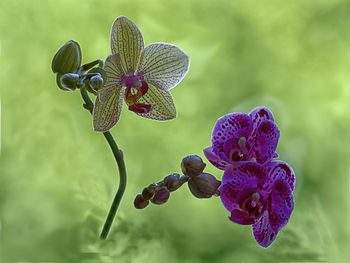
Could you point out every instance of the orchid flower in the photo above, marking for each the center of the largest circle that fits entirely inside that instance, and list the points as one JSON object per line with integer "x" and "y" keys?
{"x": 259, "y": 195}
{"x": 241, "y": 137}
{"x": 142, "y": 76}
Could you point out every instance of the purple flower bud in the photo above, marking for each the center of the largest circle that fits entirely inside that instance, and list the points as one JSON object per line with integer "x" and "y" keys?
{"x": 172, "y": 182}
{"x": 204, "y": 185}
{"x": 192, "y": 165}
{"x": 148, "y": 193}
{"x": 161, "y": 196}
{"x": 140, "y": 202}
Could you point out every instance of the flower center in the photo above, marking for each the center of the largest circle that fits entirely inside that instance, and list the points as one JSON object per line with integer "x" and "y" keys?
{"x": 238, "y": 149}
{"x": 253, "y": 205}
{"x": 136, "y": 88}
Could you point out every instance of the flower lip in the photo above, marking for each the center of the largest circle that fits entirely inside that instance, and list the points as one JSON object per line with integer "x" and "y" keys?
{"x": 251, "y": 202}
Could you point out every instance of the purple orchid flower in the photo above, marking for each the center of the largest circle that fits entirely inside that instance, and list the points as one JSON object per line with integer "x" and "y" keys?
{"x": 243, "y": 137}
{"x": 142, "y": 76}
{"x": 259, "y": 195}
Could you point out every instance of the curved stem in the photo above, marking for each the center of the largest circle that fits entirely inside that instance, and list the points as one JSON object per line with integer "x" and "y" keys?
{"x": 118, "y": 155}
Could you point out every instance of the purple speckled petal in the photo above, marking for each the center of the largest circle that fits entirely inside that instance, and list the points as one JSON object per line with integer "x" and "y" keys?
{"x": 163, "y": 65}
{"x": 258, "y": 115}
{"x": 162, "y": 104}
{"x": 280, "y": 205}
{"x": 241, "y": 217}
{"x": 127, "y": 40}
{"x": 262, "y": 230}
{"x": 275, "y": 156}
{"x": 233, "y": 125}
{"x": 266, "y": 141}
{"x": 278, "y": 170}
{"x": 239, "y": 178}
{"x": 214, "y": 159}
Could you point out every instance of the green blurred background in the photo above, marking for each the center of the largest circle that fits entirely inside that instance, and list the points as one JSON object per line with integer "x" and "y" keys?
{"x": 58, "y": 176}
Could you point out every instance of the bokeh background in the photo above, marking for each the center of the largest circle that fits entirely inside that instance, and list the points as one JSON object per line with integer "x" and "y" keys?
{"x": 58, "y": 176}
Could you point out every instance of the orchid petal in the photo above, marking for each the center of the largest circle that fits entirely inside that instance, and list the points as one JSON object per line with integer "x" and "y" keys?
{"x": 163, "y": 65}
{"x": 162, "y": 104}
{"x": 237, "y": 179}
{"x": 266, "y": 141}
{"x": 114, "y": 74}
{"x": 214, "y": 159}
{"x": 278, "y": 170}
{"x": 241, "y": 217}
{"x": 280, "y": 205}
{"x": 127, "y": 40}
{"x": 106, "y": 115}
{"x": 258, "y": 115}
{"x": 233, "y": 125}
{"x": 262, "y": 230}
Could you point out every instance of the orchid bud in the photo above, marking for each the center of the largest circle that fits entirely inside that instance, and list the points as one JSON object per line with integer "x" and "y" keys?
{"x": 148, "y": 193}
{"x": 67, "y": 59}
{"x": 96, "y": 82}
{"x": 192, "y": 165}
{"x": 69, "y": 81}
{"x": 140, "y": 202}
{"x": 103, "y": 74}
{"x": 161, "y": 196}
{"x": 204, "y": 185}
{"x": 100, "y": 70}
{"x": 172, "y": 182}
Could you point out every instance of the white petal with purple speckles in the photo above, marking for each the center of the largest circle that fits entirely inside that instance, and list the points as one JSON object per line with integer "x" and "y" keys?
{"x": 106, "y": 115}
{"x": 163, "y": 65}
{"x": 113, "y": 73}
{"x": 127, "y": 40}
{"x": 162, "y": 104}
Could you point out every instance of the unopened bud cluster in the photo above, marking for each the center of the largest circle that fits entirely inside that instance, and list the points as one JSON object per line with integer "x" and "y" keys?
{"x": 159, "y": 193}
{"x": 66, "y": 64}
{"x": 201, "y": 185}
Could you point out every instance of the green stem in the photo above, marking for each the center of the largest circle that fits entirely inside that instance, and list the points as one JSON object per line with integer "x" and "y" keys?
{"x": 118, "y": 155}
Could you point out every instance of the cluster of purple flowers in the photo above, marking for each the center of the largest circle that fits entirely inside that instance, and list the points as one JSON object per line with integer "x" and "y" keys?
{"x": 256, "y": 189}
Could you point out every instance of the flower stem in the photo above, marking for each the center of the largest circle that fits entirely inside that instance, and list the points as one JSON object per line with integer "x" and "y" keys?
{"x": 118, "y": 155}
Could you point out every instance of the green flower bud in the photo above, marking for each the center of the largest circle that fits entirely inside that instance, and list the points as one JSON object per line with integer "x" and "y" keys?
{"x": 99, "y": 70}
{"x": 103, "y": 74}
{"x": 204, "y": 185}
{"x": 172, "y": 181}
{"x": 140, "y": 202}
{"x": 69, "y": 81}
{"x": 192, "y": 165}
{"x": 96, "y": 82}
{"x": 67, "y": 59}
